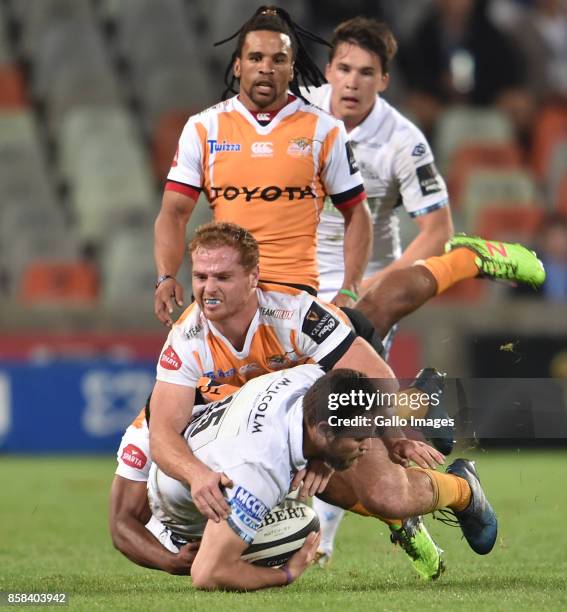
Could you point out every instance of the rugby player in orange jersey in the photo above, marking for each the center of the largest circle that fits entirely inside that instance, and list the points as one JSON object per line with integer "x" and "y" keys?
{"x": 265, "y": 160}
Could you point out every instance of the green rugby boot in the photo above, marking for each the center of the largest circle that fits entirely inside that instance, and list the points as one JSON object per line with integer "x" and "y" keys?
{"x": 502, "y": 260}
{"x": 424, "y": 554}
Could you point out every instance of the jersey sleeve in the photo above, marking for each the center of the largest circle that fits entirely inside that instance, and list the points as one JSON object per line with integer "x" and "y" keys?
{"x": 250, "y": 499}
{"x": 187, "y": 166}
{"x": 340, "y": 174}
{"x": 133, "y": 456}
{"x": 324, "y": 334}
{"x": 179, "y": 362}
{"x": 422, "y": 188}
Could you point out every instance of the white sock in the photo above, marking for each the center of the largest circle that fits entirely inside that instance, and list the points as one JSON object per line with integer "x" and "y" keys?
{"x": 330, "y": 518}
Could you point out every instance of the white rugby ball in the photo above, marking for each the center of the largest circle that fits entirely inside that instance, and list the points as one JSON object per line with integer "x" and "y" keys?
{"x": 282, "y": 533}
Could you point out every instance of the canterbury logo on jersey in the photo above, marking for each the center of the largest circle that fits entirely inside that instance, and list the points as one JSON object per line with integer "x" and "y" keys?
{"x": 268, "y": 194}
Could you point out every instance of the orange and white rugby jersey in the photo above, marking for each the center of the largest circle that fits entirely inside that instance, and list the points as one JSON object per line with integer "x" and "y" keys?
{"x": 270, "y": 179}
{"x": 290, "y": 328}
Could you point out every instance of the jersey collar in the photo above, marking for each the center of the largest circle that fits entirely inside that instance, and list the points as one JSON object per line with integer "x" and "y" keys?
{"x": 289, "y": 109}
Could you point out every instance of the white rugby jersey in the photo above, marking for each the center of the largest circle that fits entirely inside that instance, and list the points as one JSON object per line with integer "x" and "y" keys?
{"x": 255, "y": 437}
{"x": 397, "y": 168}
{"x": 290, "y": 327}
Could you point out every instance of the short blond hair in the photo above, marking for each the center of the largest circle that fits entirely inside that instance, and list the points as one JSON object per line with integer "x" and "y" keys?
{"x": 213, "y": 235}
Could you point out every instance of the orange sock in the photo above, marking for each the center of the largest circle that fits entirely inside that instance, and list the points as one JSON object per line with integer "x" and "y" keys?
{"x": 359, "y": 508}
{"x": 450, "y": 491}
{"x": 451, "y": 267}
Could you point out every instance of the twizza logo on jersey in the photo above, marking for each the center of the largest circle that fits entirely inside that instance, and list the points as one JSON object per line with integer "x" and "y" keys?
{"x": 134, "y": 457}
{"x": 170, "y": 359}
{"x": 268, "y": 194}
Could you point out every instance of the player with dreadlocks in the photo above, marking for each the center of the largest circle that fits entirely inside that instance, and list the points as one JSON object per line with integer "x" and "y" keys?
{"x": 304, "y": 67}
{"x": 265, "y": 159}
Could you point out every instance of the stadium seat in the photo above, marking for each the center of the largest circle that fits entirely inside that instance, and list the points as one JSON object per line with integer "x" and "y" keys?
{"x": 470, "y": 157}
{"x": 59, "y": 282}
{"x": 462, "y": 124}
{"x": 561, "y": 197}
{"x": 12, "y": 88}
{"x": 557, "y": 171}
{"x": 175, "y": 89}
{"x": 36, "y": 17}
{"x": 109, "y": 128}
{"x": 127, "y": 268}
{"x": 511, "y": 223}
{"x": 6, "y": 55}
{"x": 513, "y": 188}
{"x": 164, "y": 141}
{"x": 550, "y": 128}
{"x": 23, "y": 173}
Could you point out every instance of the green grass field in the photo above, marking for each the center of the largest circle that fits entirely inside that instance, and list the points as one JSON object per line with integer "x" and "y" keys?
{"x": 54, "y": 537}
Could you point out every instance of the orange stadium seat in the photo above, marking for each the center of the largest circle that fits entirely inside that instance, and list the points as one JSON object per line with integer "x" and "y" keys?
{"x": 164, "y": 142}
{"x": 550, "y": 128}
{"x": 511, "y": 224}
{"x": 561, "y": 198}
{"x": 470, "y": 157}
{"x": 12, "y": 89}
{"x": 59, "y": 282}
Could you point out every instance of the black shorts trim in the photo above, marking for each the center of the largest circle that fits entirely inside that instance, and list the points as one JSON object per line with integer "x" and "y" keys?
{"x": 328, "y": 362}
{"x": 364, "y": 329}
{"x": 306, "y": 288}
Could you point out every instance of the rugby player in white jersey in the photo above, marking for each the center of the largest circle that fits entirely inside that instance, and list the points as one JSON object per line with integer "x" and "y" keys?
{"x": 263, "y": 435}
{"x": 393, "y": 156}
{"x": 397, "y": 167}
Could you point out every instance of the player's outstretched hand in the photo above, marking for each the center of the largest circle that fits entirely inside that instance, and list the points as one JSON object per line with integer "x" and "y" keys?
{"x": 168, "y": 294}
{"x": 182, "y": 561}
{"x": 305, "y": 556}
{"x": 312, "y": 480}
{"x": 403, "y": 451}
{"x": 206, "y": 491}
{"x": 341, "y": 300}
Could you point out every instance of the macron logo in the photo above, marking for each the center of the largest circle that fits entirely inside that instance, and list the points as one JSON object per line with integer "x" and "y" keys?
{"x": 170, "y": 359}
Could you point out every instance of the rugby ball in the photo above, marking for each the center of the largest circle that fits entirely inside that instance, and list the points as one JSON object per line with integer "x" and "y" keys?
{"x": 281, "y": 534}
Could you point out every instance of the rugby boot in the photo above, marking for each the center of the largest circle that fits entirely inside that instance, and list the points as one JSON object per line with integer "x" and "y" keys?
{"x": 478, "y": 520}
{"x": 502, "y": 260}
{"x": 415, "y": 540}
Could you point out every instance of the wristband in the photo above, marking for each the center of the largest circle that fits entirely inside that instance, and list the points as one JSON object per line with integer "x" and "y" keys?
{"x": 351, "y": 294}
{"x": 162, "y": 278}
{"x": 288, "y": 576}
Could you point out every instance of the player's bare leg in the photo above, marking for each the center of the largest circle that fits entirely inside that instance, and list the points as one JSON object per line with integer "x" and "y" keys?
{"x": 377, "y": 487}
{"x": 403, "y": 291}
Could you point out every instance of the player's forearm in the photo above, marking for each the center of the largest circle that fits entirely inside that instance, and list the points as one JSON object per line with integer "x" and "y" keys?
{"x": 169, "y": 241}
{"x": 357, "y": 246}
{"x": 134, "y": 541}
{"x": 171, "y": 452}
{"x": 237, "y": 576}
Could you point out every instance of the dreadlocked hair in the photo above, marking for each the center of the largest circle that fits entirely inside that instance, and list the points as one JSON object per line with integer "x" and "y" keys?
{"x": 275, "y": 19}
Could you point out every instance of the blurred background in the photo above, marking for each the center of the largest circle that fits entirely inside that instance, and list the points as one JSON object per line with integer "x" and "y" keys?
{"x": 93, "y": 96}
